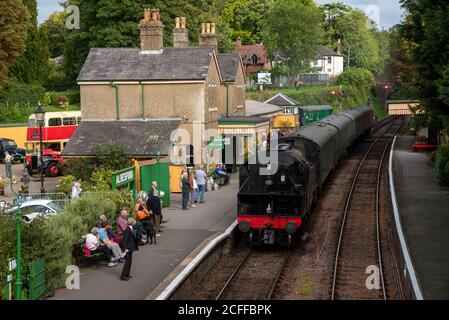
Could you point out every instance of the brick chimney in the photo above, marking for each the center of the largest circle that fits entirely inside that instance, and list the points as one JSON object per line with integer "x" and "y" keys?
{"x": 180, "y": 34}
{"x": 208, "y": 37}
{"x": 238, "y": 42}
{"x": 339, "y": 46}
{"x": 151, "y": 31}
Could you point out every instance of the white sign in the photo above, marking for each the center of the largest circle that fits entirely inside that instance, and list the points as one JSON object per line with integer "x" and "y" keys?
{"x": 9, "y": 278}
{"x": 264, "y": 78}
{"x": 124, "y": 177}
{"x": 12, "y": 265}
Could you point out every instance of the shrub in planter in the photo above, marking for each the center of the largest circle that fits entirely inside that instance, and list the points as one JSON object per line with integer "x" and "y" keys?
{"x": 442, "y": 163}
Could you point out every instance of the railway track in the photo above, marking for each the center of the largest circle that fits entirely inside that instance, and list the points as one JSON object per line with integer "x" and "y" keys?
{"x": 358, "y": 269}
{"x": 255, "y": 277}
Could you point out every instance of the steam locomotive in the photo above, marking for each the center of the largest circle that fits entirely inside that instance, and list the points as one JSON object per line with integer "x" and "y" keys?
{"x": 271, "y": 208}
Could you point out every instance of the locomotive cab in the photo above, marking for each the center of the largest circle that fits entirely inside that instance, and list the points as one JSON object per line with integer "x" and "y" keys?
{"x": 271, "y": 208}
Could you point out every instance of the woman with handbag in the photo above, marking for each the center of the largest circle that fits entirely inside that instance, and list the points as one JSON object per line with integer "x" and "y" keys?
{"x": 144, "y": 215}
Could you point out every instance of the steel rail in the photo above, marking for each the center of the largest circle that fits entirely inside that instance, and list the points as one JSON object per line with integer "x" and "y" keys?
{"x": 226, "y": 285}
{"x": 346, "y": 210}
{"x": 278, "y": 276}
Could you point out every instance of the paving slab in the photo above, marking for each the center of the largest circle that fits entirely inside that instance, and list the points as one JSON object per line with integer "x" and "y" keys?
{"x": 424, "y": 210}
{"x": 153, "y": 263}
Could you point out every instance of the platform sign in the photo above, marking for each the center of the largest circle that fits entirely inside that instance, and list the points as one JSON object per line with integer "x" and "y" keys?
{"x": 12, "y": 264}
{"x": 264, "y": 78}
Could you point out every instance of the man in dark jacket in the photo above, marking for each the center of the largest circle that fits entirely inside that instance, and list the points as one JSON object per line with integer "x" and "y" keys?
{"x": 186, "y": 189}
{"x": 130, "y": 244}
{"x": 154, "y": 205}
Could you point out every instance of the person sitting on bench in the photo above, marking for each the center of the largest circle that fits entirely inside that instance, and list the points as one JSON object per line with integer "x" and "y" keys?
{"x": 221, "y": 173}
{"x": 93, "y": 245}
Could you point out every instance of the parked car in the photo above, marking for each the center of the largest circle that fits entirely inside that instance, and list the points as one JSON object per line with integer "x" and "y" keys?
{"x": 11, "y": 146}
{"x": 31, "y": 209}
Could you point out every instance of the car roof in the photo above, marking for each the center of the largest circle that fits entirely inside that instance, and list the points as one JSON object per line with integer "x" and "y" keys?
{"x": 35, "y": 202}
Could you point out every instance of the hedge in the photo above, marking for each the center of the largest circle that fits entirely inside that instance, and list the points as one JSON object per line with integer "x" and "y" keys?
{"x": 442, "y": 163}
{"x": 56, "y": 239}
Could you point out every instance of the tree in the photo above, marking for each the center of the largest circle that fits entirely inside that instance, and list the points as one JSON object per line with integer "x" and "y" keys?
{"x": 245, "y": 19}
{"x": 293, "y": 29}
{"x": 32, "y": 65}
{"x": 426, "y": 28}
{"x": 56, "y": 32}
{"x": 114, "y": 23}
{"x": 359, "y": 45}
{"x": 13, "y": 27}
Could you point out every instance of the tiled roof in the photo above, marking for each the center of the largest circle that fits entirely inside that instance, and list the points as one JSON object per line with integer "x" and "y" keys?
{"x": 229, "y": 65}
{"x": 256, "y": 108}
{"x": 115, "y": 64}
{"x": 247, "y": 51}
{"x": 282, "y": 100}
{"x": 326, "y": 52}
{"x": 143, "y": 138}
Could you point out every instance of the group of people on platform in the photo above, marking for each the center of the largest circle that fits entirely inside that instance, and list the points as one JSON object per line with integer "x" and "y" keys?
{"x": 117, "y": 247}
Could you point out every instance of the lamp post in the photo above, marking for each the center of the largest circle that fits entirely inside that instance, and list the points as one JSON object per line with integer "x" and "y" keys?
{"x": 40, "y": 117}
{"x": 18, "y": 281}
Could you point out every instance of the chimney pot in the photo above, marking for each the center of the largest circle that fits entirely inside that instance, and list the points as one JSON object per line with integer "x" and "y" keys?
{"x": 208, "y": 28}
{"x": 183, "y": 23}
{"x": 212, "y": 28}
{"x": 203, "y": 28}
{"x": 145, "y": 15}
{"x": 177, "y": 23}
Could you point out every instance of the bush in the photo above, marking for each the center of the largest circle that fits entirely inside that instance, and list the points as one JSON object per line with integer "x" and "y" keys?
{"x": 111, "y": 156}
{"x": 65, "y": 184}
{"x": 81, "y": 168}
{"x": 15, "y": 114}
{"x": 357, "y": 77}
{"x": 20, "y": 94}
{"x": 442, "y": 163}
{"x": 100, "y": 181}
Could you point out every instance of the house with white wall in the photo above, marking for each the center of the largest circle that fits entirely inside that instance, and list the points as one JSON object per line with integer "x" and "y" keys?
{"x": 328, "y": 62}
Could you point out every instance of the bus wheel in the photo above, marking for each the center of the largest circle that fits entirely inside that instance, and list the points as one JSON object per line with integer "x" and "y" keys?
{"x": 53, "y": 170}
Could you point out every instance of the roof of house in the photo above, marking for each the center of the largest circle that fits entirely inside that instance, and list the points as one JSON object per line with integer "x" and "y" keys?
{"x": 128, "y": 64}
{"x": 256, "y": 108}
{"x": 143, "y": 138}
{"x": 242, "y": 119}
{"x": 247, "y": 51}
{"x": 282, "y": 100}
{"x": 326, "y": 52}
{"x": 229, "y": 66}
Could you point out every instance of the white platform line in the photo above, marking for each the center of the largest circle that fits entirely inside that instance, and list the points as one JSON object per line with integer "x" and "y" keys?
{"x": 195, "y": 262}
{"x": 408, "y": 260}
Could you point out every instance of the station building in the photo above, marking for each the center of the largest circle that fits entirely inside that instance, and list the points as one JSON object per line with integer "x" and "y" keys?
{"x": 139, "y": 96}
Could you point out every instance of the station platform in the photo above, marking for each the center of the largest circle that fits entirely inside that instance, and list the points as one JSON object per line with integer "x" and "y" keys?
{"x": 424, "y": 211}
{"x": 186, "y": 231}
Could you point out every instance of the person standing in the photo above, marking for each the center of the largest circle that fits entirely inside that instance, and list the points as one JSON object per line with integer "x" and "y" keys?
{"x": 8, "y": 160}
{"x": 194, "y": 188}
{"x": 201, "y": 178}
{"x": 186, "y": 189}
{"x": 131, "y": 245}
{"x": 154, "y": 205}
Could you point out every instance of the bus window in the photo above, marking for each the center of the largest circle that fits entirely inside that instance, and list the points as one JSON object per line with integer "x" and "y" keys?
{"x": 78, "y": 120}
{"x": 54, "y": 122}
{"x": 54, "y": 146}
{"x": 69, "y": 121}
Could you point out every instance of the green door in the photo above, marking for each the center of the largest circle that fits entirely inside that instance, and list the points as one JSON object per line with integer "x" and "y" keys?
{"x": 159, "y": 172}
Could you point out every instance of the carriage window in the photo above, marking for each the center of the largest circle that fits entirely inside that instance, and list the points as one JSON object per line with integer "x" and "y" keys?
{"x": 69, "y": 121}
{"x": 78, "y": 120}
{"x": 54, "y": 122}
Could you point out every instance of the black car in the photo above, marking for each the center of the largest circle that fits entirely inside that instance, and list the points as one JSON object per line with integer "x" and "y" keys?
{"x": 11, "y": 146}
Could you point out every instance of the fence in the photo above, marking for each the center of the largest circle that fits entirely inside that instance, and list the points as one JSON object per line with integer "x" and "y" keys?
{"x": 37, "y": 279}
{"x": 59, "y": 198}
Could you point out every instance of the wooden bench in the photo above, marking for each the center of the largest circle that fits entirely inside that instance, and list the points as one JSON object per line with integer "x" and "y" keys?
{"x": 95, "y": 255}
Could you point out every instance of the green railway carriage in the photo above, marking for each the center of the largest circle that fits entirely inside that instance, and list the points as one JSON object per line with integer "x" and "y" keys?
{"x": 310, "y": 114}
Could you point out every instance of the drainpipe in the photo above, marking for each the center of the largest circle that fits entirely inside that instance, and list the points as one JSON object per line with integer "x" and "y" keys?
{"x": 117, "y": 98}
{"x": 227, "y": 100}
{"x": 142, "y": 100}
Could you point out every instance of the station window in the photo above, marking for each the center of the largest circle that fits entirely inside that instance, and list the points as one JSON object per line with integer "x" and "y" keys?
{"x": 54, "y": 122}
{"x": 69, "y": 121}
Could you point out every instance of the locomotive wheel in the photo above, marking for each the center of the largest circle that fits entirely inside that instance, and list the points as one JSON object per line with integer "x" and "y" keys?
{"x": 53, "y": 170}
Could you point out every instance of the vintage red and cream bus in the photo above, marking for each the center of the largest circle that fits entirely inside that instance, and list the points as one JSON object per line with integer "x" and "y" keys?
{"x": 57, "y": 129}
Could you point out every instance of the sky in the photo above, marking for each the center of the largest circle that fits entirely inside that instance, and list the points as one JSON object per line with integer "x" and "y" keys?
{"x": 389, "y": 11}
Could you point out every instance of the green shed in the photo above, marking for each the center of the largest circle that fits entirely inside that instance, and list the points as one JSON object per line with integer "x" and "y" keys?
{"x": 309, "y": 114}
